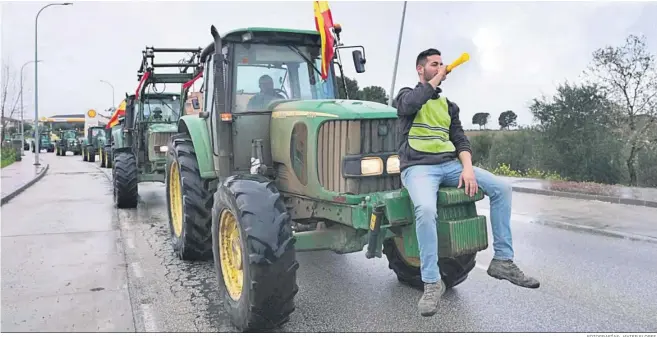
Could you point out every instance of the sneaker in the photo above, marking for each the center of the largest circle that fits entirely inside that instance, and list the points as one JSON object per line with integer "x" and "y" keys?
{"x": 428, "y": 304}
{"x": 507, "y": 270}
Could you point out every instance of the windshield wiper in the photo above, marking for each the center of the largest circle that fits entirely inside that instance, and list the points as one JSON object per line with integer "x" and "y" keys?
{"x": 296, "y": 50}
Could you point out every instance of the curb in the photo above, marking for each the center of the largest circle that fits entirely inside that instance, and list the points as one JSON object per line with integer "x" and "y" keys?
{"x": 586, "y": 229}
{"x": 595, "y": 230}
{"x": 19, "y": 190}
{"x": 573, "y": 195}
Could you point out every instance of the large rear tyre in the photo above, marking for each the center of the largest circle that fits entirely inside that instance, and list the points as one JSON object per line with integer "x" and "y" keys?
{"x": 453, "y": 271}
{"x": 254, "y": 254}
{"x": 190, "y": 219}
{"x": 126, "y": 181}
{"x": 108, "y": 157}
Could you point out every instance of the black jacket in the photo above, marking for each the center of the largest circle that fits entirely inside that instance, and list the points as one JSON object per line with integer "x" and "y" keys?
{"x": 408, "y": 102}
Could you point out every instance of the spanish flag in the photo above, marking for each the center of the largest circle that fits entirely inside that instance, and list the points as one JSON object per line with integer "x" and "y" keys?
{"x": 323, "y": 24}
{"x": 115, "y": 116}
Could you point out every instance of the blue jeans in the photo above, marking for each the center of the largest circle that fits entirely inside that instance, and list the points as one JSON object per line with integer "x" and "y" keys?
{"x": 422, "y": 183}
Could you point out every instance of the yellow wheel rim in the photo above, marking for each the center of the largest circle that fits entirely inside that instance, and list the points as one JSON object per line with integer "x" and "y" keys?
{"x": 175, "y": 199}
{"x": 230, "y": 253}
{"x": 409, "y": 260}
{"x": 100, "y": 153}
{"x": 106, "y": 159}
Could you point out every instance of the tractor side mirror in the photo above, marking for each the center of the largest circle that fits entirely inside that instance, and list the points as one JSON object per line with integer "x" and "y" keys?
{"x": 359, "y": 61}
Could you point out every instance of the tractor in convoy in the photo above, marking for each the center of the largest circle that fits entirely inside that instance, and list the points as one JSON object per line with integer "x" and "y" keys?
{"x": 139, "y": 144}
{"x": 44, "y": 141}
{"x": 275, "y": 163}
{"x": 68, "y": 141}
{"x": 94, "y": 142}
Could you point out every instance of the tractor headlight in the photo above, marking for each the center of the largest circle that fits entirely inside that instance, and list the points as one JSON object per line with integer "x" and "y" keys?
{"x": 371, "y": 166}
{"x": 392, "y": 164}
{"x": 161, "y": 148}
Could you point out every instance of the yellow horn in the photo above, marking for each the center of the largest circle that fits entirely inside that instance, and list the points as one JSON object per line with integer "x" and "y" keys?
{"x": 462, "y": 59}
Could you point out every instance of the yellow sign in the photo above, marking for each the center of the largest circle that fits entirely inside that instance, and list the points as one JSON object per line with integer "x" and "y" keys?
{"x": 91, "y": 113}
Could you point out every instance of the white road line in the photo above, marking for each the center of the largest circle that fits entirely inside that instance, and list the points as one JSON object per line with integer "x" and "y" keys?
{"x": 481, "y": 266}
{"x": 149, "y": 318}
{"x": 136, "y": 268}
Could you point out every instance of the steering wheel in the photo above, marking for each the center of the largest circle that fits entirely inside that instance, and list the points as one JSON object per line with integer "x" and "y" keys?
{"x": 281, "y": 92}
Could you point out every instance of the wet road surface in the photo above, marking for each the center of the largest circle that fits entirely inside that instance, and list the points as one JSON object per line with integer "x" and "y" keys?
{"x": 589, "y": 282}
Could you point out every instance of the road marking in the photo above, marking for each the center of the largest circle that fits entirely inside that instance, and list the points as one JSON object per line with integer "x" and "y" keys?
{"x": 130, "y": 243}
{"x": 149, "y": 318}
{"x": 481, "y": 266}
{"x": 136, "y": 268}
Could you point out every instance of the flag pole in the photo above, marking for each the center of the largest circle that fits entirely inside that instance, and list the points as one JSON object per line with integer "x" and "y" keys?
{"x": 394, "y": 72}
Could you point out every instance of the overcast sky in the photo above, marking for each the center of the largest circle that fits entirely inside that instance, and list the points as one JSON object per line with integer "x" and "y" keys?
{"x": 519, "y": 50}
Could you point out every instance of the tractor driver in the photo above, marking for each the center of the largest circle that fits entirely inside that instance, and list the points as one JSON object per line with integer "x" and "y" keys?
{"x": 434, "y": 151}
{"x": 267, "y": 94}
{"x": 157, "y": 113}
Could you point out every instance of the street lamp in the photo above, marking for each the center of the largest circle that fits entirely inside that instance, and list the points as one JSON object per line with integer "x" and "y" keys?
{"x": 110, "y": 84}
{"x": 22, "y": 110}
{"x": 37, "y": 136}
{"x": 394, "y": 72}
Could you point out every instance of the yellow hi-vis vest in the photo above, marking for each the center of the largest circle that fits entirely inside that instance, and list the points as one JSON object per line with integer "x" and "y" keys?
{"x": 430, "y": 129}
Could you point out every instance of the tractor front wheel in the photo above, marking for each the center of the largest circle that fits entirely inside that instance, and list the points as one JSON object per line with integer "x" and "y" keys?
{"x": 126, "y": 180}
{"x": 108, "y": 157}
{"x": 189, "y": 202}
{"x": 453, "y": 271}
{"x": 254, "y": 254}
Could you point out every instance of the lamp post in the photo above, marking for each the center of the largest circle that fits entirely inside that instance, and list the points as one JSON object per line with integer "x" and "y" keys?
{"x": 22, "y": 110}
{"x": 37, "y": 136}
{"x": 110, "y": 84}
{"x": 394, "y": 72}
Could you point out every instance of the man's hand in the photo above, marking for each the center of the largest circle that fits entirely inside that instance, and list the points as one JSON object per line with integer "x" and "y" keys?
{"x": 440, "y": 76}
{"x": 468, "y": 180}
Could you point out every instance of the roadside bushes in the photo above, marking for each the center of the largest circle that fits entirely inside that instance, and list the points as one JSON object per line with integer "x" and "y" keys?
{"x": 7, "y": 156}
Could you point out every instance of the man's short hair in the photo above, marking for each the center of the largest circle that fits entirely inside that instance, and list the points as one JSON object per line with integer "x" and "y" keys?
{"x": 422, "y": 57}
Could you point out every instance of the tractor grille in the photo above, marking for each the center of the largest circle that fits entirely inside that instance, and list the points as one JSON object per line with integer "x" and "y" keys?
{"x": 338, "y": 138}
{"x": 158, "y": 139}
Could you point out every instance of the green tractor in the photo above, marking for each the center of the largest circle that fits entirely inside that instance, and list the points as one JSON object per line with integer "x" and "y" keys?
{"x": 68, "y": 141}
{"x": 250, "y": 183}
{"x": 44, "y": 142}
{"x": 105, "y": 154}
{"x": 140, "y": 143}
{"x": 94, "y": 142}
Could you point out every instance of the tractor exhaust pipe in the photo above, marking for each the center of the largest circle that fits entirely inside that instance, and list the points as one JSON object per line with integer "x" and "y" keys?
{"x": 223, "y": 130}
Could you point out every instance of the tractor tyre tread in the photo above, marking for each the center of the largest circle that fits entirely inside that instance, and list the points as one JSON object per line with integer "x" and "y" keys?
{"x": 126, "y": 181}
{"x": 453, "y": 271}
{"x": 270, "y": 279}
{"x": 195, "y": 242}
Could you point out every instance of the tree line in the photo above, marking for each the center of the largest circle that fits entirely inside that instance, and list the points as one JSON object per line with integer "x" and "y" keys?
{"x": 603, "y": 130}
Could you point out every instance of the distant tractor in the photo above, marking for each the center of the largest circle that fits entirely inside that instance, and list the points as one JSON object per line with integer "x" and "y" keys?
{"x": 44, "y": 142}
{"x": 68, "y": 141}
{"x": 94, "y": 141}
{"x": 276, "y": 164}
{"x": 140, "y": 143}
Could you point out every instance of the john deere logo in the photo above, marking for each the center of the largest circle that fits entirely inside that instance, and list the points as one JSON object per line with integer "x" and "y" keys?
{"x": 91, "y": 113}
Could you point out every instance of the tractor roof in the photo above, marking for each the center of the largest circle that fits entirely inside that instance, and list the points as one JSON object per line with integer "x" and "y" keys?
{"x": 236, "y": 34}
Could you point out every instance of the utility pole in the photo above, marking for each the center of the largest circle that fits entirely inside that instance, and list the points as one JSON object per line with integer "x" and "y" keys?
{"x": 37, "y": 136}
{"x": 22, "y": 109}
{"x": 394, "y": 72}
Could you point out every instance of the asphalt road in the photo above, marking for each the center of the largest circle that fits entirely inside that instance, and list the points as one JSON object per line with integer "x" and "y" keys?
{"x": 590, "y": 282}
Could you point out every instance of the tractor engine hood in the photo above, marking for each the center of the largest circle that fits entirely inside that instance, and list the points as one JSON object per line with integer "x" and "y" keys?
{"x": 163, "y": 128}
{"x": 332, "y": 108}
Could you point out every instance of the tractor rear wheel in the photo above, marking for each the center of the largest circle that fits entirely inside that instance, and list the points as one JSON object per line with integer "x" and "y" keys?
{"x": 254, "y": 254}
{"x": 83, "y": 152}
{"x": 189, "y": 202}
{"x": 126, "y": 181}
{"x": 91, "y": 154}
{"x": 453, "y": 271}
